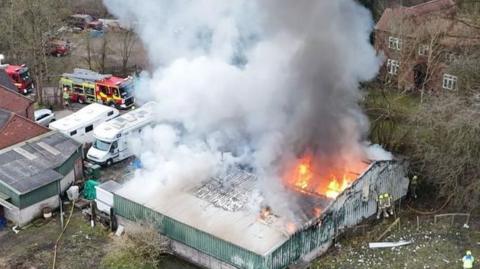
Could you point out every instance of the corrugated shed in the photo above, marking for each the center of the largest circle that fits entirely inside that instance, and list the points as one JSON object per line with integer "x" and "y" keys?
{"x": 351, "y": 207}
{"x": 190, "y": 236}
{"x": 38, "y": 195}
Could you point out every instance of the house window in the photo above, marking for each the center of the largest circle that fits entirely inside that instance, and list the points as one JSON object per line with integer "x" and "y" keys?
{"x": 394, "y": 43}
{"x": 450, "y": 57}
{"x": 423, "y": 50}
{"x": 392, "y": 66}
{"x": 449, "y": 82}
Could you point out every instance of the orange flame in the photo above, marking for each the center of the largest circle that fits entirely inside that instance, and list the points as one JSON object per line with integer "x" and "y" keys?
{"x": 335, "y": 188}
{"x": 329, "y": 181}
{"x": 291, "y": 228}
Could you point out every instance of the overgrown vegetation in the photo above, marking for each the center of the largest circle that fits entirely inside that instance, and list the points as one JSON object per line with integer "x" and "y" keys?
{"x": 141, "y": 247}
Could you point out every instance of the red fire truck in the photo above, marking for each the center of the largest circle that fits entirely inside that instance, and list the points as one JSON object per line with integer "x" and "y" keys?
{"x": 86, "y": 86}
{"x": 20, "y": 76}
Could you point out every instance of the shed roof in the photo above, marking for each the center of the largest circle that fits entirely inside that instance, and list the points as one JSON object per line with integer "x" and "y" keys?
{"x": 389, "y": 15}
{"x": 110, "y": 186}
{"x": 30, "y": 165}
{"x": 222, "y": 207}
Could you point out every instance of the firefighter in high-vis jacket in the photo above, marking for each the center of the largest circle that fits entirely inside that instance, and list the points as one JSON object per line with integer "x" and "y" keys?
{"x": 468, "y": 260}
{"x": 384, "y": 205}
{"x": 381, "y": 207}
{"x": 66, "y": 97}
{"x": 388, "y": 203}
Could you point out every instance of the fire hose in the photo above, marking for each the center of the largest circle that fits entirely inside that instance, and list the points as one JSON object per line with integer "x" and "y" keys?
{"x": 60, "y": 236}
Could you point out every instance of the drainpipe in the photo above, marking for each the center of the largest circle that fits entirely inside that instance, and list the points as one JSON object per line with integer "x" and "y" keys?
{"x": 60, "y": 203}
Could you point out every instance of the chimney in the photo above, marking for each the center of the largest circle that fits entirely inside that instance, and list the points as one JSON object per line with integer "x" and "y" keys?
{"x": 2, "y": 57}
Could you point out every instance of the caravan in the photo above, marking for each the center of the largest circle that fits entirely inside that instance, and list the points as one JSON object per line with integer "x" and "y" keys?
{"x": 79, "y": 125}
{"x": 111, "y": 138}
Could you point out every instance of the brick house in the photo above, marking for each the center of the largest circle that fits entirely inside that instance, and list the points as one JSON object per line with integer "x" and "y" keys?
{"x": 12, "y": 101}
{"x": 15, "y": 129}
{"x": 421, "y": 43}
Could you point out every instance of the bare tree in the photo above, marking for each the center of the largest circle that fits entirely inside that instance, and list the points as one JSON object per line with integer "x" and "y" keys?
{"x": 129, "y": 39}
{"x": 25, "y": 38}
{"x": 447, "y": 148}
{"x": 103, "y": 52}
{"x": 89, "y": 49}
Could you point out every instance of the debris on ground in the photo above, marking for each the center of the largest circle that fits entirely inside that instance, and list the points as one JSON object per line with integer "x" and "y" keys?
{"x": 388, "y": 244}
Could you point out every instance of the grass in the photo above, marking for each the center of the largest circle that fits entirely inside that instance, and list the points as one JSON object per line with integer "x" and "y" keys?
{"x": 80, "y": 247}
{"x": 434, "y": 246}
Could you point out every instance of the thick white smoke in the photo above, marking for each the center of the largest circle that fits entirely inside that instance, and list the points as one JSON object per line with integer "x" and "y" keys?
{"x": 254, "y": 83}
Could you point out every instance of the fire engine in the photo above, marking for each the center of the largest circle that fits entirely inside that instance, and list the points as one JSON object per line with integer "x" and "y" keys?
{"x": 86, "y": 86}
{"x": 20, "y": 76}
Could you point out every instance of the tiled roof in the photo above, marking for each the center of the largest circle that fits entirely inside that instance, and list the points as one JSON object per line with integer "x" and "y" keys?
{"x": 430, "y": 7}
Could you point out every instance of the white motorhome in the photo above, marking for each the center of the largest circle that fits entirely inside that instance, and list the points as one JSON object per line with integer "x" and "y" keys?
{"x": 79, "y": 125}
{"x": 111, "y": 138}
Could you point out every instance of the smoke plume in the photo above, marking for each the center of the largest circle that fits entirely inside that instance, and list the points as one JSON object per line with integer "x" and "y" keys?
{"x": 251, "y": 83}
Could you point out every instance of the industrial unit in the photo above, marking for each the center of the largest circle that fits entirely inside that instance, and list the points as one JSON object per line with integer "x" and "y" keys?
{"x": 33, "y": 173}
{"x": 211, "y": 225}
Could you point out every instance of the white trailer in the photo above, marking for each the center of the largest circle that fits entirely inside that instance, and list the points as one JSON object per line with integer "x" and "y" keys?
{"x": 111, "y": 138}
{"x": 79, "y": 125}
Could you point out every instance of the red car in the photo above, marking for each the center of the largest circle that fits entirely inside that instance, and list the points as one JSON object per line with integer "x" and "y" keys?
{"x": 58, "y": 47}
{"x": 84, "y": 21}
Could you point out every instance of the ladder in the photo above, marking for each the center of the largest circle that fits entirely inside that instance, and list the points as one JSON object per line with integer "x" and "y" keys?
{"x": 85, "y": 74}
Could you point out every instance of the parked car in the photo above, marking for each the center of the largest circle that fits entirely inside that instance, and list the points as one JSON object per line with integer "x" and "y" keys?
{"x": 58, "y": 47}
{"x": 84, "y": 21}
{"x": 44, "y": 116}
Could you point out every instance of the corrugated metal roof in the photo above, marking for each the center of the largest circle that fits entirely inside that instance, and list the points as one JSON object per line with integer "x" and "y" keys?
{"x": 110, "y": 186}
{"x": 3, "y": 196}
{"x": 27, "y": 166}
{"x": 222, "y": 207}
{"x": 353, "y": 205}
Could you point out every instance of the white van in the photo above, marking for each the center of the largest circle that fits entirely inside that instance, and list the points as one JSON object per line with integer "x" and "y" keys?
{"x": 79, "y": 125}
{"x": 111, "y": 137}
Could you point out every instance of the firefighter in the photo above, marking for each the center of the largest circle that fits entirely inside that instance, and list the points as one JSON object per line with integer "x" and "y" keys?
{"x": 413, "y": 187}
{"x": 388, "y": 203}
{"x": 66, "y": 97}
{"x": 468, "y": 260}
{"x": 381, "y": 207}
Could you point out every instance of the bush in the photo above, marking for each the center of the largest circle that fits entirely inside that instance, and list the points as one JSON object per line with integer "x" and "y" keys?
{"x": 141, "y": 247}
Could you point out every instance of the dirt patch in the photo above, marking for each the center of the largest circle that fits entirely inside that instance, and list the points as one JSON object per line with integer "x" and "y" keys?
{"x": 80, "y": 247}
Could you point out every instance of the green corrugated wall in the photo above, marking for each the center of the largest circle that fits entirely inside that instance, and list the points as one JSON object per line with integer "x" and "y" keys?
{"x": 190, "y": 236}
{"x": 299, "y": 244}
{"x": 15, "y": 198}
{"x": 51, "y": 189}
{"x": 42, "y": 193}
{"x": 303, "y": 242}
{"x": 67, "y": 166}
{"x": 38, "y": 195}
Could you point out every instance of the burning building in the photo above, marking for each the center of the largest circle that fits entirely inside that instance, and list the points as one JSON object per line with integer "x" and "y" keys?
{"x": 247, "y": 83}
{"x": 210, "y": 223}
